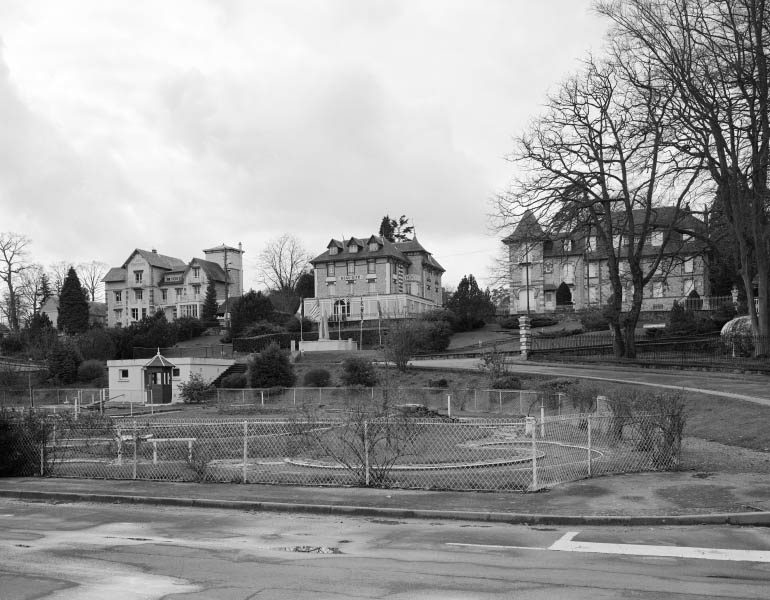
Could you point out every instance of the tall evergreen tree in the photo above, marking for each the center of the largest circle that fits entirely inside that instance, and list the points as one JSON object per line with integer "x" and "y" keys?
{"x": 45, "y": 288}
{"x": 210, "y": 305}
{"x": 396, "y": 230}
{"x": 470, "y": 305}
{"x": 248, "y": 309}
{"x": 73, "y": 305}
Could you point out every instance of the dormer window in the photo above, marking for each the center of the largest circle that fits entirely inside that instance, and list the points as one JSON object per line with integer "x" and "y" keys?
{"x": 333, "y": 250}
{"x": 352, "y": 248}
{"x": 373, "y": 247}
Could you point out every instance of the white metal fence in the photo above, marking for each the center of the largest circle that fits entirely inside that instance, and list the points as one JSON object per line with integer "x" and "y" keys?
{"x": 355, "y": 449}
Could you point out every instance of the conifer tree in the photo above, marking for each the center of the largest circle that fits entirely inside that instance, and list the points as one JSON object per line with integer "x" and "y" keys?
{"x": 210, "y": 305}
{"x": 73, "y": 305}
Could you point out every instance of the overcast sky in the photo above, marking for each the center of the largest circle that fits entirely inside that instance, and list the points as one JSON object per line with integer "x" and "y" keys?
{"x": 183, "y": 125}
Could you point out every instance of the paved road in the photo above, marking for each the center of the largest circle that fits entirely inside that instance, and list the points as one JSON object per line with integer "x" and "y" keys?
{"x": 752, "y": 388}
{"x": 87, "y": 551}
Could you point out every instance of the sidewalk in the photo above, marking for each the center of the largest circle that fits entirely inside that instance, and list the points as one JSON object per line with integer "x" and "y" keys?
{"x": 684, "y": 498}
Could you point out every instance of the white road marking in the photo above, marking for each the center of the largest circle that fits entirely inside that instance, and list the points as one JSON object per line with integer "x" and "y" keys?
{"x": 566, "y": 544}
{"x": 495, "y": 546}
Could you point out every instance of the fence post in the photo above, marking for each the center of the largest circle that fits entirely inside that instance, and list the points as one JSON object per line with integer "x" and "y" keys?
{"x": 245, "y": 447}
{"x": 500, "y": 400}
{"x": 366, "y": 451}
{"x": 294, "y": 396}
{"x": 135, "y": 441}
{"x": 589, "y": 446}
{"x": 542, "y": 419}
{"x": 449, "y": 405}
{"x": 534, "y": 457}
{"x": 262, "y": 397}
{"x": 42, "y": 460}
{"x": 521, "y": 402}
{"x": 120, "y": 446}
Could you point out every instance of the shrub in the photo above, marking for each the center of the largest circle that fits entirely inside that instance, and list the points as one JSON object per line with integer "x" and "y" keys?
{"x": 317, "y": 378}
{"x": 262, "y": 328}
{"x": 235, "y": 381}
{"x": 438, "y": 383}
{"x": 681, "y": 322}
{"x": 63, "y": 364}
{"x": 433, "y": 336}
{"x": 22, "y": 438}
{"x": 96, "y": 344}
{"x": 11, "y": 344}
{"x": 356, "y": 371}
{"x": 271, "y": 368}
{"x": 594, "y": 319}
{"x": 188, "y": 328}
{"x": 195, "y": 390}
{"x": 89, "y": 370}
{"x": 294, "y": 324}
{"x": 509, "y": 323}
{"x": 506, "y": 382}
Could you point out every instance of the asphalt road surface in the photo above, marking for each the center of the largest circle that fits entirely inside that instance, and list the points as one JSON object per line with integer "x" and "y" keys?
{"x": 116, "y": 552}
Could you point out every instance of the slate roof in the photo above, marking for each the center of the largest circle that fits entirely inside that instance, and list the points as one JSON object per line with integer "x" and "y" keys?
{"x": 527, "y": 228}
{"x": 115, "y": 274}
{"x": 386, "y": 249}
{"x": 159, "y": 361}
{"x": 170, "y": 263}
{"x": 211, "y": 269}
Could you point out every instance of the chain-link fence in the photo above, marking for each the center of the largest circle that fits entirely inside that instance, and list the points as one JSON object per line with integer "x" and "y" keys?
{"x": 356, "y": 448}
{"x": 471, "y": 401}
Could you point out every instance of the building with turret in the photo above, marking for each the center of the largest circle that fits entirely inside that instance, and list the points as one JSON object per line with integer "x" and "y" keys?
{"x": 148, "y": 282}
{"x": 569, "y": 269}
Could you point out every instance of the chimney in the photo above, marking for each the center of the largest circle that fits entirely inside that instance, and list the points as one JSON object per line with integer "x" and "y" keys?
{"x": 154, "y": 251}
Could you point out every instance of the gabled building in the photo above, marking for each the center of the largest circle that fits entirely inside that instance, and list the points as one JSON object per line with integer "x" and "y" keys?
{"x": 148, "y": 282}
{"x": 97, "y": 311}
{"x": 367, "y": 278}
{"x": 575, "y": 262}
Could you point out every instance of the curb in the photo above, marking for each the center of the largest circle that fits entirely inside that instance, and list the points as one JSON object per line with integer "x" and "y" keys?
{"x": 744, "y": 519}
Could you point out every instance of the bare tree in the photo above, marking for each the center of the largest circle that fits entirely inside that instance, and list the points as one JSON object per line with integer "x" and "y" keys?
{"x": 13, "y": 262}
{"x": 712, "y": 55}
{"x": 90, "y": 275}
{"x": 58, "y": 272}
{"x": 282, "y": 262}
{"x": 599, "y": 160}
{"x": 32, "y": 290}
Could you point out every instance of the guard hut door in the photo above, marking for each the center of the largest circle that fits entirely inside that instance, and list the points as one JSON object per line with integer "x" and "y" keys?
{"x": 158, "y": 384}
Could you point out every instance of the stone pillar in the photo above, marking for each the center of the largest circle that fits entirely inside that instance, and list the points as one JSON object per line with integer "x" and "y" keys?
{"x": 525, "y": 336}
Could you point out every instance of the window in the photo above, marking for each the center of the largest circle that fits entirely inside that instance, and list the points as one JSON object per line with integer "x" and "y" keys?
{"x": 659, "y": 289}
{"x": 144, "y": 313}
{"x": 179, "y": 292}
{"x": 568, "y": 273}
{"x": 688, "y": 285}
{"x": 164, "y": 295}
{"x": 654, "y": 238}
{"x": 591, "y": 243}
{"x": 175, "y": 372}
{"x": 568, "y": 245}
{"x": 118, "y": 314}
{"x": 118, "y": 296}
{"x": 373, "y": 247}
{"x": 123, "y": 374}
{"x": 371, "y": 267}
{"x": 330, "y": 270}
{"x": 196, "y": 290}
{"x": 352, "y": 248}
{"x": 593, "y": 269}
{"x": 549, "y": 297}
{"x": 687, "y": 265}
{"x": 686, "y": 237}
{"x": 138, "y": 295}
{"x": 372, "y": 287}
{"x": 138, "y": 276}
{"x": 333, "y": 250}
{"x": 548, "y": 267}
{"x": 617, "y": 241}
{"x": 332, "y": 289}
{"x": 351, "y": 267}
{"x": 196, "y": 272}
{"x": 593, "y": 294}
{"x": 134, "y": 314}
